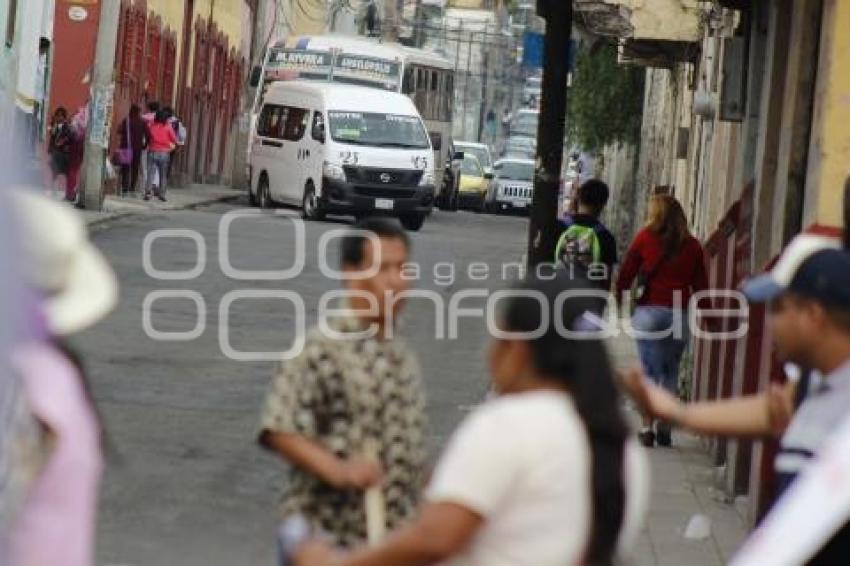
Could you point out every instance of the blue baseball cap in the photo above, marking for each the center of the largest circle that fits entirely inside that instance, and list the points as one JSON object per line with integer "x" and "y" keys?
{"x": 811, "y": 266}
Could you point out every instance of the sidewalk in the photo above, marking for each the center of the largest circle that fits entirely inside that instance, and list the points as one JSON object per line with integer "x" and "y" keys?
{"x": 178, "y": 198}
{"x": 683, "y": 485}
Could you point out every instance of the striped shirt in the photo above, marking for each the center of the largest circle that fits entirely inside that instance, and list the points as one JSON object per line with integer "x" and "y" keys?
{"x": 825, "y": 404}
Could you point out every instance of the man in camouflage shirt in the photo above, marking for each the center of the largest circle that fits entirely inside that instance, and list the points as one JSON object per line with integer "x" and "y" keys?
{"x": 352, "y": 385}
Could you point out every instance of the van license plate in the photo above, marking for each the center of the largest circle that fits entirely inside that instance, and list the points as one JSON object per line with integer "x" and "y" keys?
{"x": 384, "y": 203}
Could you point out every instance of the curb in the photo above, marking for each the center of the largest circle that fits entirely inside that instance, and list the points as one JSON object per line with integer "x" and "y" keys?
{"x": 110, "y": 216}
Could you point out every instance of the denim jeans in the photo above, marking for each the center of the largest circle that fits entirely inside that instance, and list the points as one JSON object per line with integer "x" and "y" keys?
{"x": 157, "y": 172}
{"x": 662, "y": 353}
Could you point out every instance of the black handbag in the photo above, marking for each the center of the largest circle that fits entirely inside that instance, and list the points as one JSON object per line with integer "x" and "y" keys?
{"x": 644, "y": 278}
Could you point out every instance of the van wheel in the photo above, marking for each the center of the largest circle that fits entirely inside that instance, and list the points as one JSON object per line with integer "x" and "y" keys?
{"x": 413, "y": 222}
{"x": 311, "y": 205}
{"x": 263, "y": 198}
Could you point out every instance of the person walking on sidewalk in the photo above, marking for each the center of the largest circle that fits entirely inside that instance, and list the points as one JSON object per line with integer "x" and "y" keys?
{"x": 669, "y": 265}
{"x": 808, "y": 292}
{"x": 543, "y": 475}
{"x": 348, "y": 411}
{"x": 161, "y": 143}
{"x": 133, "y": 136}
{"x": 151, "y": 108}
{"x": 79, "y": 127}
{"x": 586, "y": 242}
{"x": 59, "y": 145}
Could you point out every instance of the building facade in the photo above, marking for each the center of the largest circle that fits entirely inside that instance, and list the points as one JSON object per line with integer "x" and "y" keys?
{"x": 745, "y": 113}
{"x": 191, "y": 55}
{"x": 25, "y": 62}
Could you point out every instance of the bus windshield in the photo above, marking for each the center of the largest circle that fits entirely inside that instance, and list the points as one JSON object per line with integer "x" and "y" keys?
{"x": 378, "y": 130}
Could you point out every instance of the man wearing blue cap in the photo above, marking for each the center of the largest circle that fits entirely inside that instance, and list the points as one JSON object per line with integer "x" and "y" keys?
{"x": 808, "y": 297}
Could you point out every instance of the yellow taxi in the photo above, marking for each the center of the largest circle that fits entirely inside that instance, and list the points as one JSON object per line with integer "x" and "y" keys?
{"x": 474, "y": 183}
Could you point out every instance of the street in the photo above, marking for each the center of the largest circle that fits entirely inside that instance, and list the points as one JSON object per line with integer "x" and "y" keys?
{"x": 186, "y": 482}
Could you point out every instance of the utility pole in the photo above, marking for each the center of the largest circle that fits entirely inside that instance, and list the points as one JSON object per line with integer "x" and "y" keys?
{"x": 482, "y": 111}
{"x": 100, "y": 106}
{"x": 543, "y": 228}
{"x": 389, "y": 27}
{"x": 418, "y": 25}
{"x": 466, "y": 81}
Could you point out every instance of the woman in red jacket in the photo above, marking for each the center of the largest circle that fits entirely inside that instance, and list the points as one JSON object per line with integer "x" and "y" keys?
{"x": 670, "y": 264}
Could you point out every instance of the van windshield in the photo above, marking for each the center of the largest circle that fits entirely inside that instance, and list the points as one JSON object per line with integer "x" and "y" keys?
{"x": 378, "y": 130}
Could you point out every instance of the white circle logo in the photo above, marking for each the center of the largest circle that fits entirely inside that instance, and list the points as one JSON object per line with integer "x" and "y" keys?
{"x": 77, "y": 13}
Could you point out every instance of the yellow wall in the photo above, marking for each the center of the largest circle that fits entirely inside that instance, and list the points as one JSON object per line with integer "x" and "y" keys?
{"x": 829, "y": 154}
{"x": 170, "y": 11}
{"x": 227, "y": 15}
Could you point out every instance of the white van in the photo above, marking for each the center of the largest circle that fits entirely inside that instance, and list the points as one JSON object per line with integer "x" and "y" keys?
{"x": 341, "y": 149}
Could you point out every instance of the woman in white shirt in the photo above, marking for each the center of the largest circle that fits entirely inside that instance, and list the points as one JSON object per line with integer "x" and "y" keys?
{"x": 544, "y": 475}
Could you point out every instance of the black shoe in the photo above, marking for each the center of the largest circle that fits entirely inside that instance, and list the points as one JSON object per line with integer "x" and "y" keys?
{"x": 162, "y": 198}
{"x": 665, "y": 438}
{"x": 647, "y": 438}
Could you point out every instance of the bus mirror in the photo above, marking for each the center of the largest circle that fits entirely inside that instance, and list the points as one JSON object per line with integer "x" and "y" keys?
{"x": 256, "y": 74}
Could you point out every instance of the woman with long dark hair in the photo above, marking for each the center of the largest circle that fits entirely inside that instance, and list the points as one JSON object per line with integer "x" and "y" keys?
{"x": 669, "y": 264}
{"x": 545, "y": 474}
{"x": 133, "y": 139}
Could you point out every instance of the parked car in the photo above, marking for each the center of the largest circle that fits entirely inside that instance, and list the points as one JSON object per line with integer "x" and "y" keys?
{"x": 513, "y": 185}
{"x": 480, "y": 150}
{"x": 342, "y": 149}
{"x": 524, "y": 122}
{"x": 521, "y": 147}
{"x": 473, "y": 183}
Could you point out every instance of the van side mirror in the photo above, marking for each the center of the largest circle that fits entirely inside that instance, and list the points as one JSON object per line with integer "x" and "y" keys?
{"x": 488, "y": 176}
{"x": 458, "y": 156}
{"x": 319, "y": 135}
{"x": 256, "y": 75}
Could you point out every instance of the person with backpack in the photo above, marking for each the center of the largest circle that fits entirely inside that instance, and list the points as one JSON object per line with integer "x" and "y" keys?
{"x": 586, "y": 242}
{"x": 668, "y": 264}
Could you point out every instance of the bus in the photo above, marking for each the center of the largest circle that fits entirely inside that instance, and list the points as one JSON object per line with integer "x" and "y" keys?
{"x": 425, "y": 77}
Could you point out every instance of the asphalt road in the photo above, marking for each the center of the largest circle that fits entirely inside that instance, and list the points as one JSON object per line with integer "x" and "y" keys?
{"x": 185, "y": 481}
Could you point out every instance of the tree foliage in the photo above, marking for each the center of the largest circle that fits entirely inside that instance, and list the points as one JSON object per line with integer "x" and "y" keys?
{"x": 605, "y": 101}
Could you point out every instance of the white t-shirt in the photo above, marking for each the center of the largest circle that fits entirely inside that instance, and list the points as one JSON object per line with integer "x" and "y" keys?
{"x": 523, "y": 463}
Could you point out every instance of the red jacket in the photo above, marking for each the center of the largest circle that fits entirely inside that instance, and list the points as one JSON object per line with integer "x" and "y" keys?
{"x": 684, "y": 271}
{"x": 161, "y": 138}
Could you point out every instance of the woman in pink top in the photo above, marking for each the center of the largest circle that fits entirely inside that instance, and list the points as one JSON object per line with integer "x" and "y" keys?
{"x": 161, "y": 142}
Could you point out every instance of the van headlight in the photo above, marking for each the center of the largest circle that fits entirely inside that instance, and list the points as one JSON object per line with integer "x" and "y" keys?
{"x": 427, "y": 179}
{"x": 333, "y": 171}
